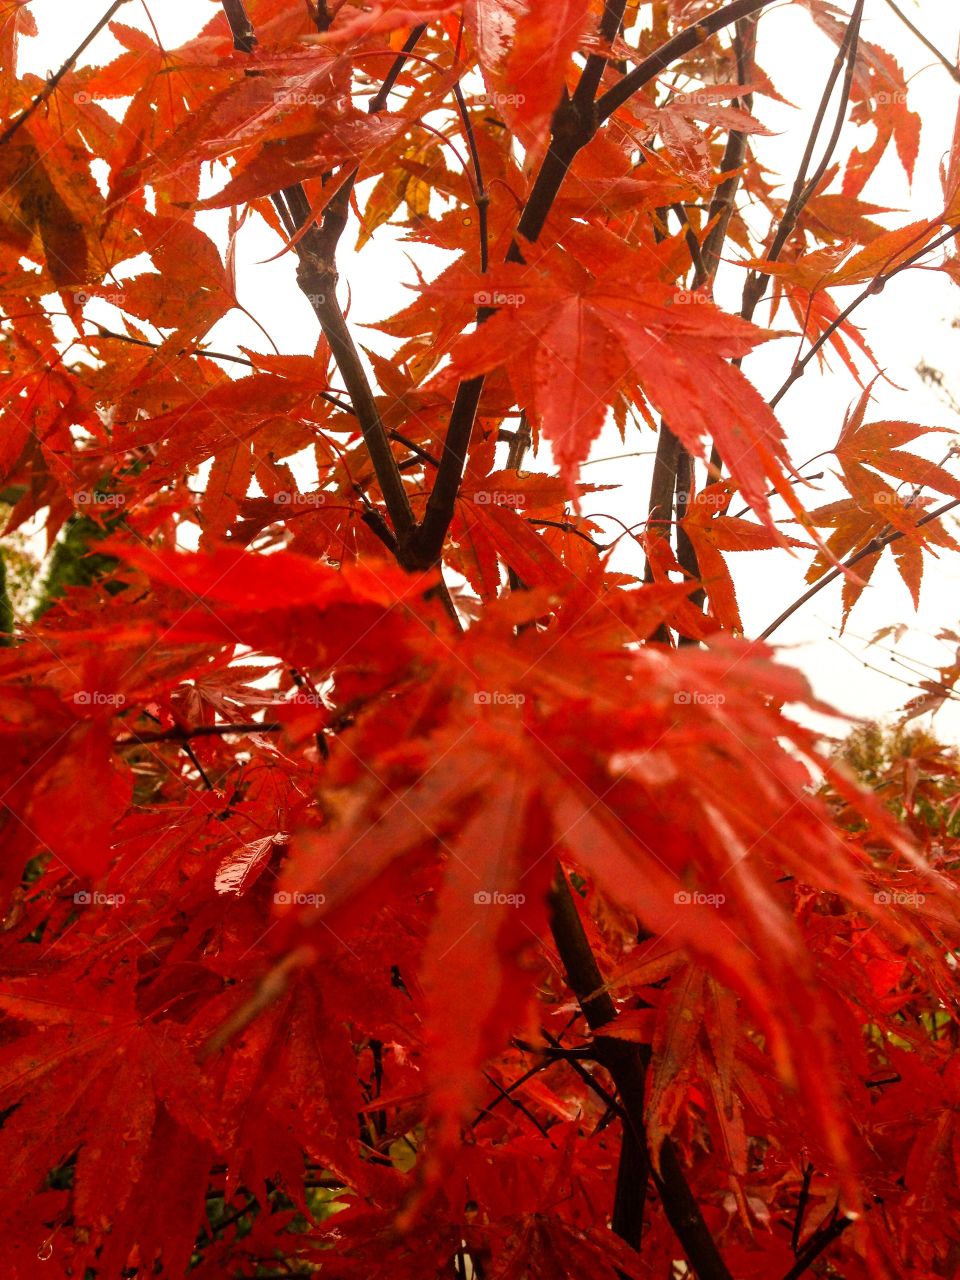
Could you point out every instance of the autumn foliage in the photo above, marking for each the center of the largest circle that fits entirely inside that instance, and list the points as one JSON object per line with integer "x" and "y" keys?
{"x": 405, "y": 872}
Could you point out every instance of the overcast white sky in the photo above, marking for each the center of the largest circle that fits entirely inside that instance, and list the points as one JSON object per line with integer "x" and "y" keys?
{"x": 911, "y": 321}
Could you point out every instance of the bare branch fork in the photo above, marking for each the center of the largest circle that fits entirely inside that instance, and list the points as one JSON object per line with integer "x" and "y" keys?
{"x": 627, "y": 1065}
{"x": 575, "y": 123}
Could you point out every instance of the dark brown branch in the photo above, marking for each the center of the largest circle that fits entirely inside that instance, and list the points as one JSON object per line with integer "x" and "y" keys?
{"x": 481, "y": 196}
{"x": 875, "y": 544}
{"x": 673, "y": 474}
{"x": 507, "y": 1096}
{"x": 57, "y": 76}
{"x": 244, "y": 38}
{"x": 610, "y": 24}
{"x": 734, "y": 155}
{"x": 200, "y": 731}
{"x": 379, "y": 99}
{"x": 802, "y": 1201}
{"x": 821, "y": 1239}
{"x": 189, "y": 752}
{"x": 626, "y": 1063}
{"x": 679, "y": 46}
{"x": 505, "y": 1092}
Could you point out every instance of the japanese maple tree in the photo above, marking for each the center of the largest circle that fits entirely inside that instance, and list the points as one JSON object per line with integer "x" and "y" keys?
{"x": 403, "y": 874}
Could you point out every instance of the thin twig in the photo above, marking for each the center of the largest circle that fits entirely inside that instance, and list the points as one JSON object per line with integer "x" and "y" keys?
{"x": 801, "y": 1208}
{"x": 804, "y": 188}
{"x": 57, "y": 76}
{"x": 875, "y": 544}
{"x": 219, "y": 355}
{"x": 317, "y": 277}
{"x": 199, "y": 731}
{"x": 876, "y": 285}
{"x": 821, "y": 1239}
{"x": 941, "y": 57}
{"x": 481, "y": 198}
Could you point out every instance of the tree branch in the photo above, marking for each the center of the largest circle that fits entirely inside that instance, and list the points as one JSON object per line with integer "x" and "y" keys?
{"x": 802, "y": 188}
{"x": 627, "y": 1063}
{"x": 876, "y": 285}
{"x": 874, "y": 545}
{"x": 200, "y": 731}
{"x": 317, "y": 277}
{"x": 821, "y": 1239}
{"x": 679, "y": 46}
{"x": 574, "y": 126}
{"x": 941, "y": 57}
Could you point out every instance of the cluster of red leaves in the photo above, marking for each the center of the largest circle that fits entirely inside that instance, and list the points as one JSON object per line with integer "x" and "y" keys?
{"x": 286, "y": 984}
